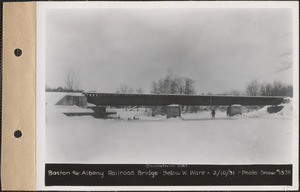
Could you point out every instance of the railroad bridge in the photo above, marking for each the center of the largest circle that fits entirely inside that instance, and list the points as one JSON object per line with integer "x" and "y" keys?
{"x": 114, "y": 99}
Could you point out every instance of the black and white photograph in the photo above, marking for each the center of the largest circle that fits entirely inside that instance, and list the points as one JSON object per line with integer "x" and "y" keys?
{"x": 191, "y": 86}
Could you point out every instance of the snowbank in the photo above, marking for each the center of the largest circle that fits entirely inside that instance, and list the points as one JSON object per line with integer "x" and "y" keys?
{"x": 287, "y": 111}
{"x": 258, "y": 113}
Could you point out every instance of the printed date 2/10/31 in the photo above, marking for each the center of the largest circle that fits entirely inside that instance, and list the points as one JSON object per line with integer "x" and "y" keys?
{"x": 224, "y": 173}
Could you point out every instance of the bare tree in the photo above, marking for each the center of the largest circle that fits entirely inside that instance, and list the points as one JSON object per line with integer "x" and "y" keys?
{"x": 277, "y": 88}
{"x": 253, "y": 88}
{"x": 189, "y": 87}
{"x": 71, "y": 80}
{"x": 173, "y": 84}
{"x": 139, "y": 90}
{"x": 285, "y": 61}
{"x": 125, "y": 89}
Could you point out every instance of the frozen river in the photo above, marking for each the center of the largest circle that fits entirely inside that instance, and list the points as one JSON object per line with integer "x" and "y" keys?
{"x": 197, "y": 139}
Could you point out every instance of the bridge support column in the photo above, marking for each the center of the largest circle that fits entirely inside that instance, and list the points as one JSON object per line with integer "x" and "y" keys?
{"x": 173, "y": 111}
{"x": 274, "y": 109}
{"x": 234, "y": 110}
{"x": 99, "y": 112}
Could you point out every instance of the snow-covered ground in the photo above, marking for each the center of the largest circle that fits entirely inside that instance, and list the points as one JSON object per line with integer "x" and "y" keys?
{"x": 256, "y": 137}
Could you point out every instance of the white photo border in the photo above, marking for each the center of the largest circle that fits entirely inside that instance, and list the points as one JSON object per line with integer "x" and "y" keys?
{"x": 40, "y": 85}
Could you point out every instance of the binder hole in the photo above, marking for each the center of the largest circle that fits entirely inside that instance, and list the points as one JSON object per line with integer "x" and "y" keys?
{"x": 18, "y": 52}
{"x": 18, "y": 134}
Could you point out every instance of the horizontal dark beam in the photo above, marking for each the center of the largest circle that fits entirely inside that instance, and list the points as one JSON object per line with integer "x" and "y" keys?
{"x": 114, "y": 99}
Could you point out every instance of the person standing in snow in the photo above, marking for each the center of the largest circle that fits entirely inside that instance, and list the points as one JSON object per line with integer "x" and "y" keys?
{"x": 228, "y": 111}
{"x": 213, "y": 113}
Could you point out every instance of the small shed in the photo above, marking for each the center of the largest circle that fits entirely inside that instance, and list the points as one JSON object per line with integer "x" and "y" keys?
{"x": 173, "y": 111}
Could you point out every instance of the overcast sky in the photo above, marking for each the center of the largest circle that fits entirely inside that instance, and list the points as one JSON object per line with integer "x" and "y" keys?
{"x": 221, "y": 49}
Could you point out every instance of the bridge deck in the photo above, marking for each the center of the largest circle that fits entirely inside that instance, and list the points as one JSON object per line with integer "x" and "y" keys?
{"x": 114, "y": 99}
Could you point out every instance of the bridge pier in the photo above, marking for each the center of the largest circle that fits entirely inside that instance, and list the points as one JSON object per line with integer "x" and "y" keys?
{"x": 173, "y": 111}
{"x": 234, "y": 110}
{"x": 274, "y": 109}
{"x": 99, "y": 111}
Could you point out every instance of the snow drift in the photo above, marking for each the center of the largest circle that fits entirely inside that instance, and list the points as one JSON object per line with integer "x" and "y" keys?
{"x": 287, "y": 111}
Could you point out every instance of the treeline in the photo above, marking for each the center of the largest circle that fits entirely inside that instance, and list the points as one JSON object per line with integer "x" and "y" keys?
{"x": 276, "y": 88}
{"x": 175, "y": 84}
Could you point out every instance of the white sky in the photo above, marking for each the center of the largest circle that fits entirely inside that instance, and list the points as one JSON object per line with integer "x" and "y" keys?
{"x": 221, "y": 49}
